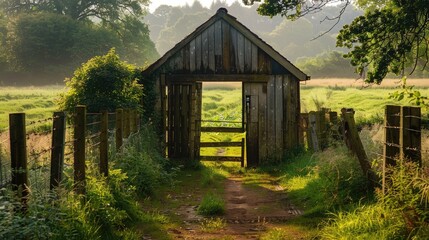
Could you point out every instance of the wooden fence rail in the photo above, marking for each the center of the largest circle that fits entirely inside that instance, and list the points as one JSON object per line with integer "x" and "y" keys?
{"x": 128, "y": 120}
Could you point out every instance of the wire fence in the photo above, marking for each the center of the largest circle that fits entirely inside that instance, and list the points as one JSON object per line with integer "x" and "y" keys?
{"x": 40, "y": 145}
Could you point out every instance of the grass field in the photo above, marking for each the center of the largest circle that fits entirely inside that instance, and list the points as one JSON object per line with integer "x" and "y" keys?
{"x": 37, "y": 102}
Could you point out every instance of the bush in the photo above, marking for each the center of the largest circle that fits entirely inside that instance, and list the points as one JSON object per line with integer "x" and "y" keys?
{"x": 103, "y": 83}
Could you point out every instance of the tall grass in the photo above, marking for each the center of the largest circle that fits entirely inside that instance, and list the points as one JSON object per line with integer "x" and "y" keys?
{"x": 109, "y": 209}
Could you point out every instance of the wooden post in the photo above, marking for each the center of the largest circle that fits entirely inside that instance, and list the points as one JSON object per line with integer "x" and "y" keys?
{"x": 392, "y": 122}
{"x": 126, "y": 123}
{"x": 355, "y": 145}
{"x": 119, "y": 128}
{"x": 314, "y": 143}
{"x": 104, "y": 144}
{"x": 18, "y": 156}
{"x": 303, "y": 127}
{"x": 410, "y": 138}
{"x": 57, "y": 152}
{"x": 79, "y": 149}
{"x": 242, "y": 152}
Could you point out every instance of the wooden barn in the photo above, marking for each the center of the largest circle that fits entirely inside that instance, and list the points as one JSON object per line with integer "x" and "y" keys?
{"x": 224, "y": 50}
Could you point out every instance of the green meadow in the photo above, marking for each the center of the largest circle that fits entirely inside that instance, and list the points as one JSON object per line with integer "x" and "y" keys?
{"x": 221, "y": 102}
{"x": 37, "y": 102}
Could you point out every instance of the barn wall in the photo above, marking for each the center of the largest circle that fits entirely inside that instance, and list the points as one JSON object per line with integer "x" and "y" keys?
{"x": 221, "y": 49}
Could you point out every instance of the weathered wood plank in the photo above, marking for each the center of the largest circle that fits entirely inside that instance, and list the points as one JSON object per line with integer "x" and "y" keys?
{"x": 221, "y": 158}
{"x": 247, "y": 56}
{"x": 262, "y": 64}
{"x": 279, "y": 116}
{"x": 185, "y": 120}
{"x": 192, "y": 65}
{"x": 253, "y": 132}
{"x": 233, "y": 50}
{"x": 254, "y": 58}
{"x": 271, "y": 116}
{"x": 240, "y": 53}
{"x": 205, "y": 50}
{"x": 262, "y": 95}
{"x": 218, "y": 47}
{"x": 411, "y": 135}
{"x": 186, "y": 59}
{"x": 177, "y": 120}
{"x": 211, "y": 47}
{"x": 192, "y": 121}
{"x": 198, "y": 54}
{"x": 226, "y": 39}
{"x": 392, "y": 121}
{"x": 188, "y": 78}
{"x": 222, "y": 129}
{"x": 220, "y": 144}
{"x": 199, "y": 98}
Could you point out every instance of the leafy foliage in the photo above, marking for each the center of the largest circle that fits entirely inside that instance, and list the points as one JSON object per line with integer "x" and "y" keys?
{"x": 390, "y": 36}
{"x": 103, "y": 83}
{"x": 144, "y": 164}
{"x": 410, "y": 93}
{"x": 107, "y": 10}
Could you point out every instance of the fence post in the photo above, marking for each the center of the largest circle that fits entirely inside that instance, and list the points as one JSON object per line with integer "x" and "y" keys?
{"x": 119, "y": 132}
{"x": 104, "y": 144}
{"x": 314, "y": 143}
{"x": 57, "y": 152}
{"x": 355, "y": 145}
{"x": 18, "y": 156}
{"x": 126, "y": 123}
{"x": 410, "y": 136}
{"x": 242, "y": 152}
{"x": 79, "y": 149}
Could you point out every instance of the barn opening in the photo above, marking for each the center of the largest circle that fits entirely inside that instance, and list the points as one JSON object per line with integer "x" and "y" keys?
{"x": 222, "y": 126}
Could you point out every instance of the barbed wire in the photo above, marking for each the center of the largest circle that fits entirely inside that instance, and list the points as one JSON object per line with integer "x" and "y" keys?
{"x": 38, "y": 121}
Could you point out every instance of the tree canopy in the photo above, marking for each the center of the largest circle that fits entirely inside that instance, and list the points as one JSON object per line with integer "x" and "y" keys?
{"x": 392, "y": 35}
{"x": 106, "y": 10}
{"x": 103, "y": 83}
{"x": 50, "y": 38}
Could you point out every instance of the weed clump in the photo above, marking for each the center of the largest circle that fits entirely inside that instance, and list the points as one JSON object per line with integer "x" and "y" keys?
{"x": 211, "y": 205}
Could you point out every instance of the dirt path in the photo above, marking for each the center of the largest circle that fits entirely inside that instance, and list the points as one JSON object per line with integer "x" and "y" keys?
{"x": 250, "y": 211}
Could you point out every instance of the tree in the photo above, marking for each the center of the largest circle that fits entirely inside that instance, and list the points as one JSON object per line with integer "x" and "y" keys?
{"x": 120, "y": 17}
{"x": 103, "y": 83}
{"x": 106, "y": 10}
{"x": 389, "y": 37}
{"x": 52, "y": 43}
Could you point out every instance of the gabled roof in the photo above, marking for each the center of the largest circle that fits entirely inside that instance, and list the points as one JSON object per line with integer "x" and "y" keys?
{"x": 222, "y": 13}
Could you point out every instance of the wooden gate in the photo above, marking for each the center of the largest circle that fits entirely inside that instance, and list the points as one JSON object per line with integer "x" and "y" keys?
{"x": 223, "y": 144}
{"x": 183, "y": 114}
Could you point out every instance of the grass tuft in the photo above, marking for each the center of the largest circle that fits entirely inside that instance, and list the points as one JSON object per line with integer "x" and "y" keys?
{"x": 211, "y": 205}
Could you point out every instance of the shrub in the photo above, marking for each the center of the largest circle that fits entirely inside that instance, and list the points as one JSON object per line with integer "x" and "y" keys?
{"x": 143, "y": 162}
{"x": 102, "y": 83}
{"x": 211, "y": 204}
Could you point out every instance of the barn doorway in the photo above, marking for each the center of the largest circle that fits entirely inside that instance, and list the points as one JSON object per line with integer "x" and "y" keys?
{"x": 222, "y": 122}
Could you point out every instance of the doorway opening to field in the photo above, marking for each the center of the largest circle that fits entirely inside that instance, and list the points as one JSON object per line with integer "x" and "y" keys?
{"x": 222, "y": 122}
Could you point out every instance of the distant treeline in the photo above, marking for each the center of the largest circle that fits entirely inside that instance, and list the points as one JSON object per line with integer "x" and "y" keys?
{"x": 306, "y": 42}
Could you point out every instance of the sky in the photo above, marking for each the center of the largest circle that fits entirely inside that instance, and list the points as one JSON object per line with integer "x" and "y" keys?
{"x": 206, "y": 3}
